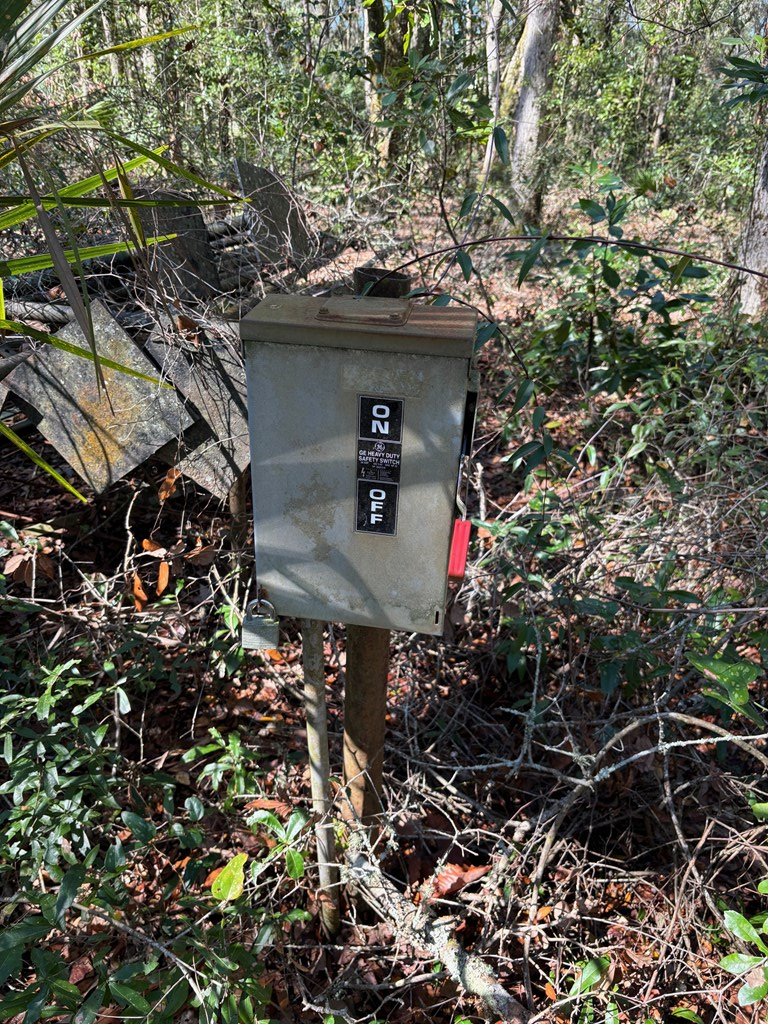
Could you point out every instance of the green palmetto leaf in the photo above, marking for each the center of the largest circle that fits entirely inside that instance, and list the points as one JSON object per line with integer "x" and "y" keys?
{"x": 169, "y": 165}
{"x": 137, "y": 229}
{"x": 77, "y": 350}
{"x": 22, "y": 54}
{"x": 134, "y": 44}
{"x": 23, "y": 145}
{"x": 28, "y": 264}
{"x": 24, "y": 207}
{"x": 39, "y": 461}
{"x": 79, "y": 303}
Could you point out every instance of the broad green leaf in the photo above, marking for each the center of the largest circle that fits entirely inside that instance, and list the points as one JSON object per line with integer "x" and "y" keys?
{"x": 126, "y": 994}
{"x": 195, "y": 808}
{"x": 593, "y": 210}
{"x": 524, "y": 392}
{"x": 501, "y": 144}
{"x": 40, "y": 461}
{"x": 502, "y": 208}
{"x": 228, "y": 885}
{"x": 677, "y": 270}
{"x": 19, "y": 935}
{"x": 742, "y": 929}
{"x": 740, "y": 963}
{"x": 610, "y": 276}
{"x": 467, "y": 204}
{"x": 750, "y": 993}
{"x": 592, "y": 973}
{"x": 459, "y": 85}
{"x": 177, "y": 997}
{"x": 735, "y": 676}
{"x": 465, "y": 263}
{"x": 294, "y": 863}
{"x": 264, "y": 817}
{"x": 427, "y": 144}
{"x": 760, "y": 811}
{"x": 143, "y": 830}
{"x": 686, "y": 1014}
{"x": 530, "y": 258}
{"x": 10, "y": 963}
{"x": 762, "y": 888}
{"x": 90, "y": 1009}
{"x": 295, "y": 824}
{"x": 68, "y": 889}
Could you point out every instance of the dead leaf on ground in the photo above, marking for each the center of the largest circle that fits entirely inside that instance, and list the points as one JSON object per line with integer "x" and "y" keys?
{"x": 454, "y": 877}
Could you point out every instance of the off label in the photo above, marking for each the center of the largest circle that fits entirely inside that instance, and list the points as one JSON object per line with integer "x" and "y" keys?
{"x": 379, "y": 458}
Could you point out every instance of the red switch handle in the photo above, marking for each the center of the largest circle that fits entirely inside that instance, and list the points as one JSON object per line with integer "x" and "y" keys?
{"x": 457, "y": 562}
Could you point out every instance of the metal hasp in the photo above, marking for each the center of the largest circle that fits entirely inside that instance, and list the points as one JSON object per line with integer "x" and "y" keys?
{"x": 357, "y": 419}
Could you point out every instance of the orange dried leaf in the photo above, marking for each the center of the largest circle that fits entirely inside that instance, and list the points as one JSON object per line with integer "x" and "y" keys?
{"x": 140, "y": 595}
{"x": 453, "y": 877}
{"x": 211, "y": 877}
{"x": 163, "y": 577}
{"x": 168, "y": 486}
{"x": 549, "y": 990}
{"x": 151, "y": 545}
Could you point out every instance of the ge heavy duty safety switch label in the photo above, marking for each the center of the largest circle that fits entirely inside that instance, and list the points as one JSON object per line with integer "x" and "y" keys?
{"x": 379, "y": 455}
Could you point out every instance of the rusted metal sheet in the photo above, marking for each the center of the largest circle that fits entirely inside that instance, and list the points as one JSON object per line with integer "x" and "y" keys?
{"x": 209, "y": 372}
{"x": 102, "y": 435}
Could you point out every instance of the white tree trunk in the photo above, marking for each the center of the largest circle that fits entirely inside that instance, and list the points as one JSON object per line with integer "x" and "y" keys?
{"x": 752, "y": 292}
{"x": 535, "y": 50}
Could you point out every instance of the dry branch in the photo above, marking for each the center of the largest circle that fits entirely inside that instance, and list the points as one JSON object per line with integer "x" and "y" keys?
{"x": 418, "y": 927}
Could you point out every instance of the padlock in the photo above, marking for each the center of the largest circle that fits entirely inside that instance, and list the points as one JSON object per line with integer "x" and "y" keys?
{"x": 261, "y": 628}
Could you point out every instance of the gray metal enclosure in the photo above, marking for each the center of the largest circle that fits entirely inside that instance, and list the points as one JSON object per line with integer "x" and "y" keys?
{"x": 357, "y": 421}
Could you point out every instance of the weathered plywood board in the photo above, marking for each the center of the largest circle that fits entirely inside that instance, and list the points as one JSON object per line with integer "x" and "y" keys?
{"x": 102, "y": 435}
{"x": 185, "y": 266}
{"x": 210, "y": 374}
{"x": 280, "y": 229}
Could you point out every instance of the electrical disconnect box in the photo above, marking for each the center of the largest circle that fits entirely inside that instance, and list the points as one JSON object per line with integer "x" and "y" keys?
{"x": 361, "y": 413}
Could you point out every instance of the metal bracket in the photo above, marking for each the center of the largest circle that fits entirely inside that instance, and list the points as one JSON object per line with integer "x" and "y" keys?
{"x": 363, "y": 310}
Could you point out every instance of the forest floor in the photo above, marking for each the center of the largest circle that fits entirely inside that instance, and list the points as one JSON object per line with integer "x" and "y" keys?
{"x": 583, "y": 838}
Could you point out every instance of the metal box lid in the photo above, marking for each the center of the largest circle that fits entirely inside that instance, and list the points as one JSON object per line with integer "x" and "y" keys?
{"x": 388, "y": 325}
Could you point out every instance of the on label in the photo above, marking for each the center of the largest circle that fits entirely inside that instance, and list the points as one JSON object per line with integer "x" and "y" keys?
{"x": 379, "y": 458}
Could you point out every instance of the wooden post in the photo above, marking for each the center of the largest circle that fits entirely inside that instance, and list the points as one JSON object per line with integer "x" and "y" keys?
{"x": 365, "y": 710}
{"x": 367, "y": 672}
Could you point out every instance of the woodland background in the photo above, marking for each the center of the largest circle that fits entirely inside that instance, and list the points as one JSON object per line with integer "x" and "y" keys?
{"x": 575, "y": 774}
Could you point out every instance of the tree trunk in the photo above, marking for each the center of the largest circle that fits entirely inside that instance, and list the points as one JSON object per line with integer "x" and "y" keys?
{"x": 493, "y": 72}
{"x": 661, "y": 114}
{"x": 532, "y": 61}
{"x": 752, "y": 292}
{"x": 373, "y": 48}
